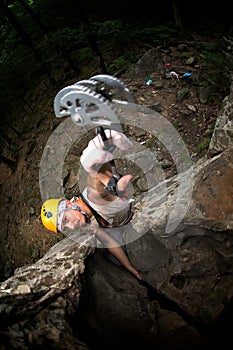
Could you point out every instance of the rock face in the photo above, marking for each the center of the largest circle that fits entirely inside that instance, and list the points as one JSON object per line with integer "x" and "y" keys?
{"x": 74, "y": 298}
{"x": 188, "y": 298}
{"x": 223, "y": 133}
{"x": 38, "y": 301}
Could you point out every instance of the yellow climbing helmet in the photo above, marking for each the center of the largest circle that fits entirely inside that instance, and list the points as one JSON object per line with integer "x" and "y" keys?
{"x": 49, "y": 214}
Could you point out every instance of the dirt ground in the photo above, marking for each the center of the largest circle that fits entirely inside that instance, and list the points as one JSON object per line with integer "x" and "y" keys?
{"x": 24, "y": 240}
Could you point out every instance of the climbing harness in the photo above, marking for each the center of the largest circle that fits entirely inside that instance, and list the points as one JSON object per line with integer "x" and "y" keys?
{"x": 101, "y": 221}
{"x": 94, "y": 101}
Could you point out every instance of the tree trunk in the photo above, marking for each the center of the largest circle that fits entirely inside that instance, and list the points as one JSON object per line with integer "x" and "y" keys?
{"x": 177, "y": 15}
{"x": 33, "y": 15}
{"x": 91, "y": 40}
{"x": 25, "y": 38}
{"x": 45, "y": 31}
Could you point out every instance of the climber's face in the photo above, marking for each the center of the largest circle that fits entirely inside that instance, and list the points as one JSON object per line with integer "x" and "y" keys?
{"x": 73, "y": 219}
{"x": 74, "y": 215}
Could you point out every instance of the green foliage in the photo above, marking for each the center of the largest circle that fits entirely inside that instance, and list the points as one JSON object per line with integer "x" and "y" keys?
{"x": 202, "y": 146}
{"x": 111, "y": 34}
{"x": 108, "y": 28}
{"x": 212, "y": 127}
{"x": 23, "y": 19}
{"x": 122, "y": 62}
{"x": 120, "y": 43}
{"x": 214, "y": 62}
{"x": 65, "y": 39}
{"x": 155, "y": 34}
{"x": 207, "y": 140}
{"x": 149, "y": 143}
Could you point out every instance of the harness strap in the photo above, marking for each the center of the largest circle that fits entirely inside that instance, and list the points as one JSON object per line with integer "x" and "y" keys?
{"x": 101, "y": 221}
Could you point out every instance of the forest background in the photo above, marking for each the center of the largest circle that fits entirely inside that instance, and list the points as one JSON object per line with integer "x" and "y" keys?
{"x": 57, "y": 40}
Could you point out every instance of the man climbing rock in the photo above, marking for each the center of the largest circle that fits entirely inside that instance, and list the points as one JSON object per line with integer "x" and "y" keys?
{"x": 104, "y": 203}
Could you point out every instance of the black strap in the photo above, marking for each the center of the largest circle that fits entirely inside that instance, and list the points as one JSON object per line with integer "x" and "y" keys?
{"x": 101, "y": 221}
{"x": 112, "y": 183}
{"x": 112, "y": 188}
{"x": 108, "y": 145}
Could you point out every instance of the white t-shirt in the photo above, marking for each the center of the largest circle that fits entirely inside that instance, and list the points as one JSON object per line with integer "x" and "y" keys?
{"x": 117, "y": 212}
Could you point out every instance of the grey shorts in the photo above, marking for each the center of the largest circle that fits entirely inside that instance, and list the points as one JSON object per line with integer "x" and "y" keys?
{"x": 117, "y": 234}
